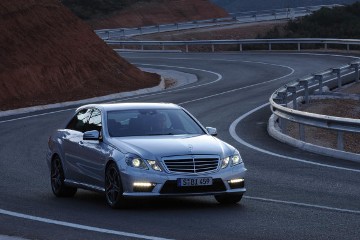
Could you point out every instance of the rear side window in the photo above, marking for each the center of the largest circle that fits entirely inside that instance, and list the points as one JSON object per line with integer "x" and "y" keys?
{"x": 79, "y": 121}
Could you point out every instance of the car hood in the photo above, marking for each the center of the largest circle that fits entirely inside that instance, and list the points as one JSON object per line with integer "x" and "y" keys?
{"x": 155, "y": 147}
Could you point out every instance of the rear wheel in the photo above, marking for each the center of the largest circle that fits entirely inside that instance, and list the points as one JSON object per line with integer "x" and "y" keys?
{"x": 113, "y": 186}
{"x": 228, "y": 198}
{"x": 57, "y": 180}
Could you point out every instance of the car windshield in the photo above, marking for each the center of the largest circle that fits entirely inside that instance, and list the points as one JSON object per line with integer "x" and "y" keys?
{"x": 148, "y": 122}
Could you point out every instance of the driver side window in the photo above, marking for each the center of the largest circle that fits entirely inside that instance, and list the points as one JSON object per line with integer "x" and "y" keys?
{"x": 94, "y": 122}
{"x": 79, "y": 121}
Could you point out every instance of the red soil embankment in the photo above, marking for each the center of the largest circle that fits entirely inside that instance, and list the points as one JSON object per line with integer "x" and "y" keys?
{"x": 48, "y": 55}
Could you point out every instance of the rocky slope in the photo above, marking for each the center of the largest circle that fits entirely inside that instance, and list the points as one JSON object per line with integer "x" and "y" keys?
{"x": 143, "y": 13}
{"x": 49, "y": 55}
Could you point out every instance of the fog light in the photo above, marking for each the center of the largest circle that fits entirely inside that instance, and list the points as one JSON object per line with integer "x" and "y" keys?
{"x": 143, "y": 186}
{"x": 236, "y": 183}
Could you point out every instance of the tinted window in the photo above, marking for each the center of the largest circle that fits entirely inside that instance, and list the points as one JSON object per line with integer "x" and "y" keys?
{"x": 147, "y": 122}
{"x": 78, "y": 122}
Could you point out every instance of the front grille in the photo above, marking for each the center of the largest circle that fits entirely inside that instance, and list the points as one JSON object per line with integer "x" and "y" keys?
{"x": 192, "y": 164}
{"x": 172, "y": 187}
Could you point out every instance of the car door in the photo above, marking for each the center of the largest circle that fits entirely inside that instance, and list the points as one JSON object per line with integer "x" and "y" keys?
{"x": 93, "y": 153}
{"x": 71, "y": 144}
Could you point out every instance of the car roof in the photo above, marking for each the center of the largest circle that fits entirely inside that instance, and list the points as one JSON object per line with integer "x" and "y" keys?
{"x": 126, "y": 106}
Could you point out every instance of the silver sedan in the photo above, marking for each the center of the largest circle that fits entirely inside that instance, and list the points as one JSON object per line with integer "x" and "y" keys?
{"x": 141, "y": 150}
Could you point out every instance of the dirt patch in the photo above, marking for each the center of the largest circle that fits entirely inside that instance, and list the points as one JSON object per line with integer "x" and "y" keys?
{"x": 331, "y": 107}
{"x": 234, "y": 31}
{"x": 49, "y": 55}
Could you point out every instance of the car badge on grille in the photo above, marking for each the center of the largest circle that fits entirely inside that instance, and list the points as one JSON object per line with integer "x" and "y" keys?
{"x": 191, "y": 148}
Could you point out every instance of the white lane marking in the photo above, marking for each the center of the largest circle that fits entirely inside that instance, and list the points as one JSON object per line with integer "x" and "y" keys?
{"x": 343, "y": 210}
{"x": 78, "y": 226}
{"x": 36, "y": 115}
{"x": 234, "y": 135}
{"x": 218, "y": 75}
{"x": 248, "y": 86}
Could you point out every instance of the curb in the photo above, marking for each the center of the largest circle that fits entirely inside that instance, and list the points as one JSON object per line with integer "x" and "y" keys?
{"x": 275, "y": 132}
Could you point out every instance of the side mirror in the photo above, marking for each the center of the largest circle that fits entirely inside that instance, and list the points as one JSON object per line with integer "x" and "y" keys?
{"x": 91, "y": 135}
{"x": 212, "y": 131}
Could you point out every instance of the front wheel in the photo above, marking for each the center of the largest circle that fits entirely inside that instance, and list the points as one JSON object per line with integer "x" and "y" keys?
{"x": 57, "y": 180}
{"x": 113, "y": 187}
{"x": 228, "y": 198}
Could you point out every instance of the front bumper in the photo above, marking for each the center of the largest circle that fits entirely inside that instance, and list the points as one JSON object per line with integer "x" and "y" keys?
{"x": 165, "y": 184}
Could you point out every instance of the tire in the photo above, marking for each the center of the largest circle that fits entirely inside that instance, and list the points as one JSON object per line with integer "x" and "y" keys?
{"x": 113, "y": 187}
{"x": 57, "y": 180}
{"x": 228, "y": 198}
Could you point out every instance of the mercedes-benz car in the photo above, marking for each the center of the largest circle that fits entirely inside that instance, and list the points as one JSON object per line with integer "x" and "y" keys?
{"x": 142, "y": 150}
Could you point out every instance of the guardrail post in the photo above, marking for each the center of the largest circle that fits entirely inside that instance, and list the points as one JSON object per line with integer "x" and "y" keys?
{"x": 292, "y": 90}
{"x": 212, "y": 47}
{"x": 158, "y": 27}
{"x": 269, "y": 46}
{"x": 305, "y": 84}
{"x": 108, "y": 34}
{"x": 140, "y": 29}
{"x": 340, "y": 140}
{"x": 338, "y": 75}
{"x": 283, "y": 125}
{"x": 240, "y": 47}
{"x": 347, "y": 47}
{"x": 187, "y": 48}
{"x": 123, "y": 32}
{"x": 142, "y": 47}
{"x": 177, "y": 26}
{"x": 162, "y": 46}
{"x": 274, "y": 14}
{"x": 280, "y": 98}
{"x": 301, "y": 132}
{"x": 325, "y": 46}
{"x": 356, "y": 67}
{"x": 320, "y": 79}
{"x": 299, "y": 47}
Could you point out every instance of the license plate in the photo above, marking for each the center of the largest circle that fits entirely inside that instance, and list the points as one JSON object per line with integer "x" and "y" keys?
{"x": 189, "y": 182}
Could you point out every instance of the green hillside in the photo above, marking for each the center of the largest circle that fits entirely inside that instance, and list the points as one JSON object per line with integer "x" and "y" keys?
{"x": 339, "y": 22}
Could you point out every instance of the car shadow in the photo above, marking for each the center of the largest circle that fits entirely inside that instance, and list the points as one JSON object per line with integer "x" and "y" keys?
{"x": 93, "y": 200}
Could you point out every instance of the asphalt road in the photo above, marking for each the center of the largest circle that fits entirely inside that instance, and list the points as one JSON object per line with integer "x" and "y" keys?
{"x": 291, "y": 194}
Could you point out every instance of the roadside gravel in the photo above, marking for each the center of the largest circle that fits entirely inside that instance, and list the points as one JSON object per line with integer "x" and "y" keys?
{"x": 332, "y": 107}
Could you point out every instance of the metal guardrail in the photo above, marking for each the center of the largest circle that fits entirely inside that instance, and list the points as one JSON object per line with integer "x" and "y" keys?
{"x": 242, "y": 17}
{"x": 284, "y": 102}
{"x": 298, "y": 42}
